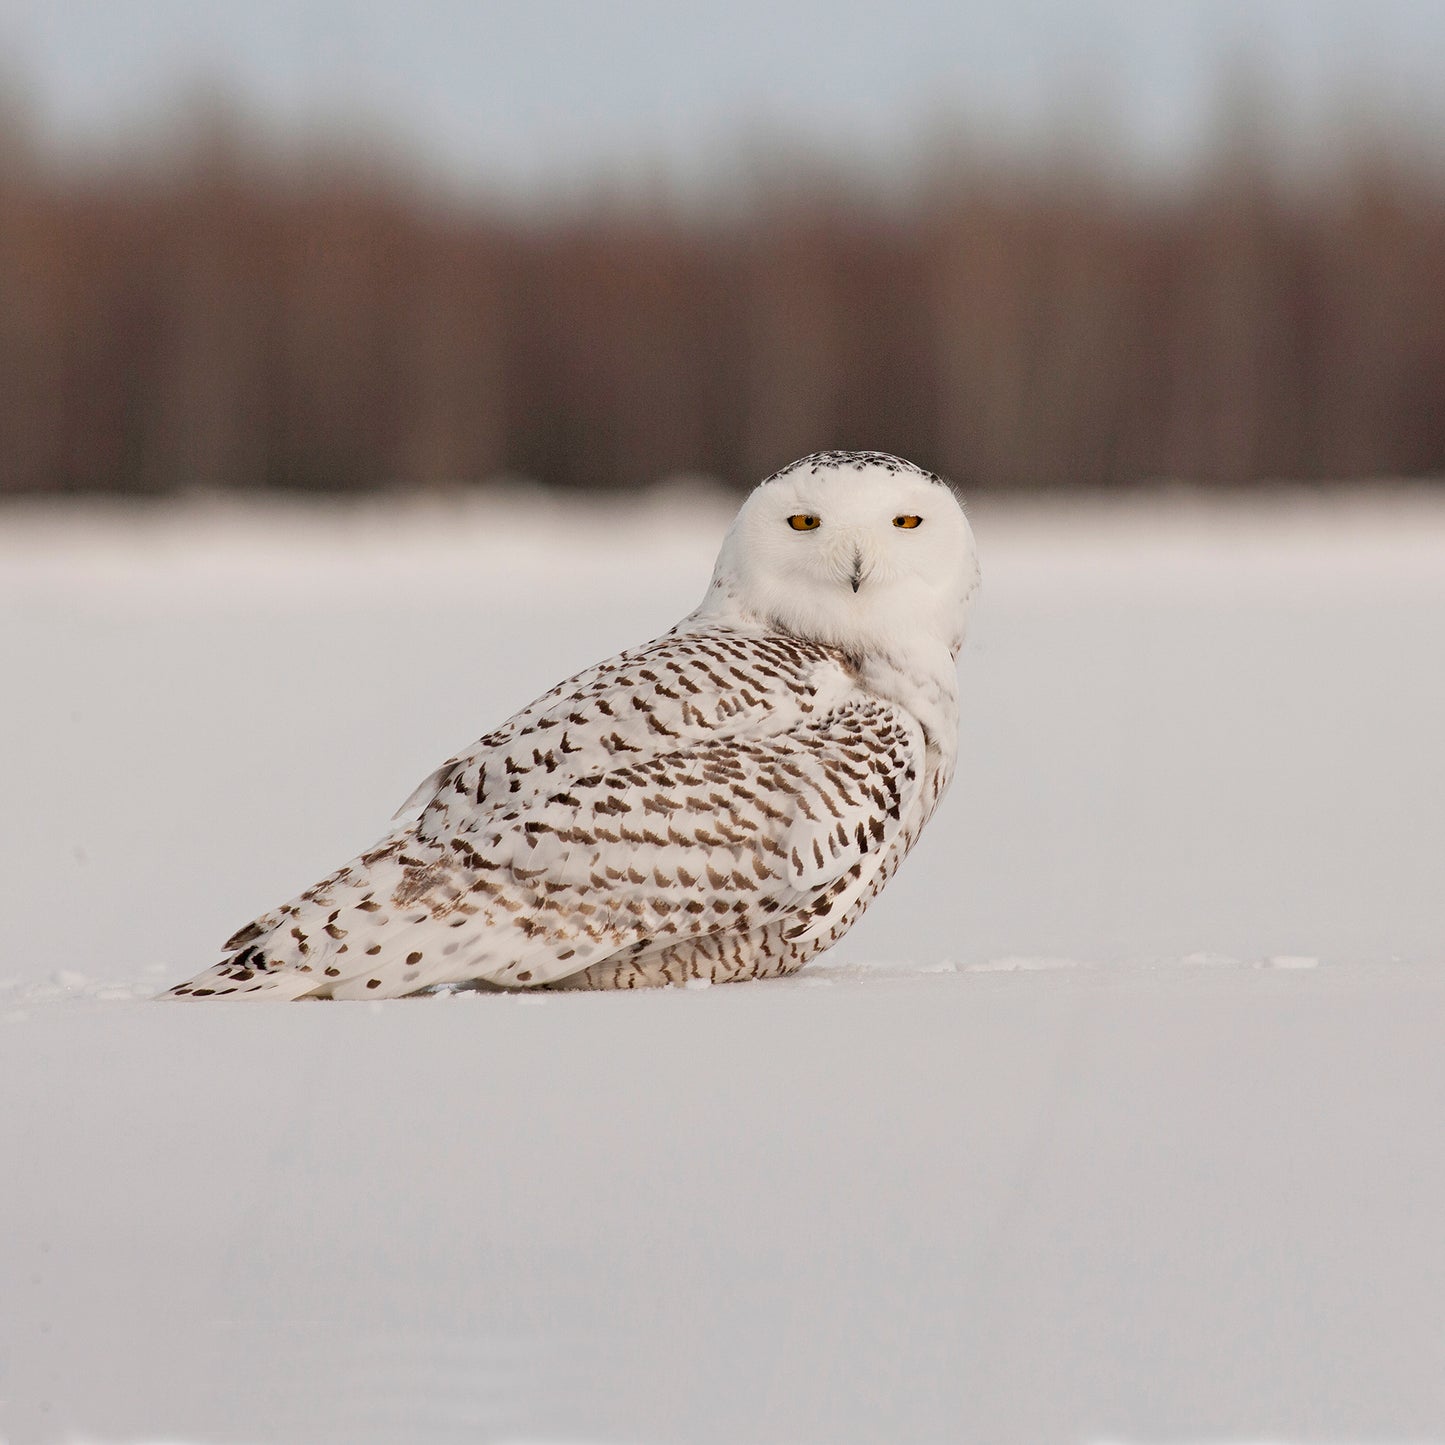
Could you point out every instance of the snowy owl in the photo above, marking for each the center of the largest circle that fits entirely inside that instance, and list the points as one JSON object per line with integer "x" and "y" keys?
{"x": 721, "y": 803}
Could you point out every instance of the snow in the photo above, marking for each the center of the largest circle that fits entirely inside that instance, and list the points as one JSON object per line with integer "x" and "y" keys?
{"x": 1117, "y": 1119}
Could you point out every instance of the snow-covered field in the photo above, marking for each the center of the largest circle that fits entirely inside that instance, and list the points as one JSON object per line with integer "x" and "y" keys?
{"x": 1120, "y": 1117}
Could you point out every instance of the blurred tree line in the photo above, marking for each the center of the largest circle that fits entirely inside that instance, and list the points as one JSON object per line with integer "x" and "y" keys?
{"x": 223, "y": 320}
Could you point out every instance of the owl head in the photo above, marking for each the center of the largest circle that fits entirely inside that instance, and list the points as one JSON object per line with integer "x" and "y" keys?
{"x": 861, "y": 550}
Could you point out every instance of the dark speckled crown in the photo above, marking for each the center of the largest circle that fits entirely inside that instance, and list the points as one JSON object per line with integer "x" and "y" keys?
{"x": 819, "y": 461}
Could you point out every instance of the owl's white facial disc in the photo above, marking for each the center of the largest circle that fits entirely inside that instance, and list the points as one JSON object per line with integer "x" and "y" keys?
{"x": 828, "y": 549}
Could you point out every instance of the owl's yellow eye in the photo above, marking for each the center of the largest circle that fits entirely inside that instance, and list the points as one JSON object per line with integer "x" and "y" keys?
{"x": 802, "y": 522}
{"x": 906, "y": 522}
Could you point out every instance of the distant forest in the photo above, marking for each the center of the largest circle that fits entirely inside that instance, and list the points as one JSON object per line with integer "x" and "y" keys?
{"x": 219, "y": 319}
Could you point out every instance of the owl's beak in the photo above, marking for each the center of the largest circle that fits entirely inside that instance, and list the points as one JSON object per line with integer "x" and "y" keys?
{"x": 856, "y": 576}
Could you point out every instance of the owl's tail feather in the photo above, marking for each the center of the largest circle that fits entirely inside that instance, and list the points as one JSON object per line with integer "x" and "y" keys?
{"x": 249, "y": 974}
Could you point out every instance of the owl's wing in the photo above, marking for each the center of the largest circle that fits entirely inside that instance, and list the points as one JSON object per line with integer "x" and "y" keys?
{"x": 728, "y": 836}
{"x": 700, "y": 784}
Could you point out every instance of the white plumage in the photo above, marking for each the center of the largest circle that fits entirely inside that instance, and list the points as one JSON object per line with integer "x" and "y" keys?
{"x": 720, "y": 803}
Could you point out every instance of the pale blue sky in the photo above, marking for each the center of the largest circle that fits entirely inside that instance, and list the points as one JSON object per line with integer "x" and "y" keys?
{"x": 522, "y": 97}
